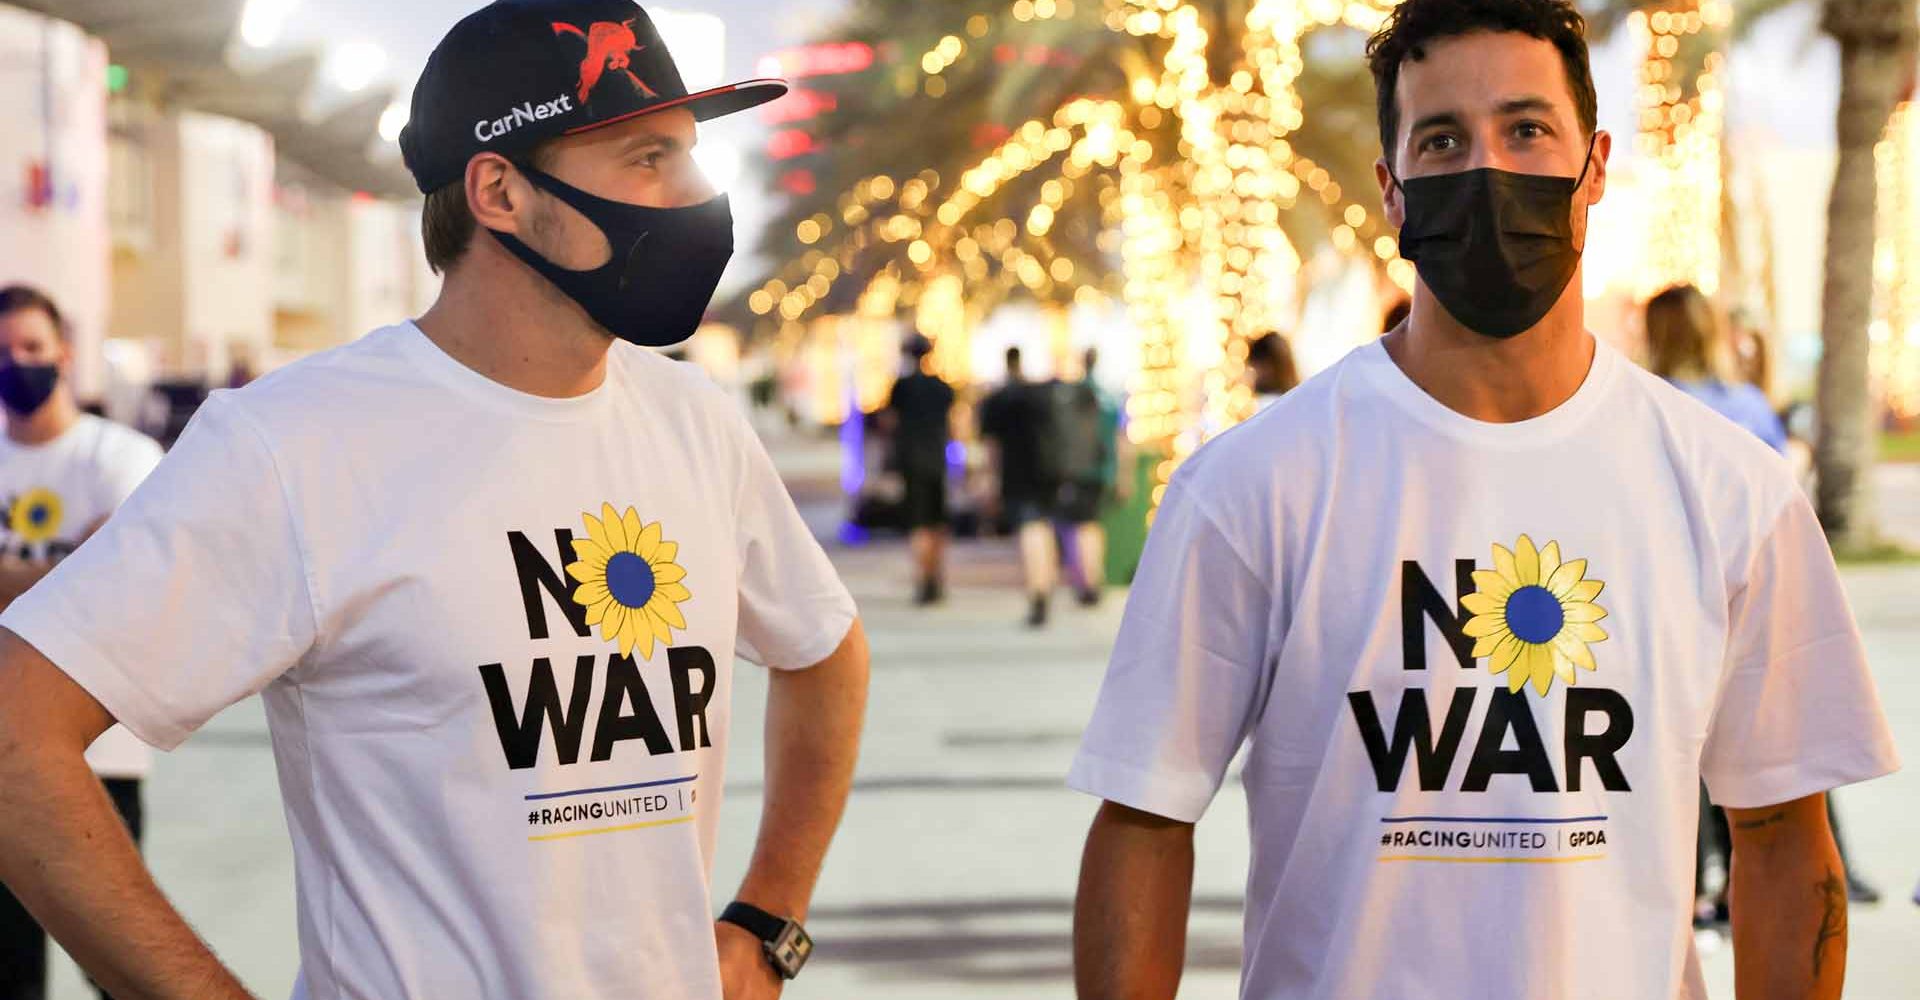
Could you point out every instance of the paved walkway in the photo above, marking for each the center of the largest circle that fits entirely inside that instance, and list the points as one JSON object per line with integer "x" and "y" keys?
{"x": 954, "y": 874}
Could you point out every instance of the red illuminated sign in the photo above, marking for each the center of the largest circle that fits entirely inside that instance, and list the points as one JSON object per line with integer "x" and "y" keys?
{"x": 829, "y": 59}
{"x": 799, "y": 105}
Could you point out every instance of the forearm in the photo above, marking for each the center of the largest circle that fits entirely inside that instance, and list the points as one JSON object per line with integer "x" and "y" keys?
{"x": 77, "y": 871}
{"x": 1789, "y": 900}
{"x": 1130, "y": 916}
{"x": 813, "y": 739}
{"x": 17, "y": 578}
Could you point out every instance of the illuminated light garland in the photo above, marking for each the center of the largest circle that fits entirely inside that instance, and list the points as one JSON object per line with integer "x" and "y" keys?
{"x": 1680, "y": 135}
{"x": 1895, "y": 333}
{"x": 1208, "y": 211}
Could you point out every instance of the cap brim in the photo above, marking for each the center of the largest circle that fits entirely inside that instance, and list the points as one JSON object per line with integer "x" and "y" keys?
{"x": 707, "y": 104}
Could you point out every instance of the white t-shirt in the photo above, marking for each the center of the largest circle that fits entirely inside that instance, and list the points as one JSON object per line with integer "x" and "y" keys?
{"x": 495, "y": 634}
{"x": 1504, "y": 808}
{"x": 51, "y": 495}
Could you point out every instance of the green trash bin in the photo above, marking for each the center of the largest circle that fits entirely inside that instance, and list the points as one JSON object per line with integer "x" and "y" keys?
{"x": 1126, "y": 523}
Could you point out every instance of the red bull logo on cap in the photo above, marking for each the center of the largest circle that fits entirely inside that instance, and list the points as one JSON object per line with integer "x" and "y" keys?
{"x": 610, "y": 47}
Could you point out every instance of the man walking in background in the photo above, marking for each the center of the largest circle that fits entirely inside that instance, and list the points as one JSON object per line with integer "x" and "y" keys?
{"x": 1486, "y": 602}
{"x": 1087, "y": 429}
{"x": 490, "y": 570}
{"x": 919, "y": 415}
{"x": 61, "y": 473}
{"x": 1019, "y": 420}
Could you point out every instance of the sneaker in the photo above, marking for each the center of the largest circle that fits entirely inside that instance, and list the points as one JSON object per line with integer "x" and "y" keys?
{"x": 929, "y": 593}
{"x": 1037, "y": 615}
{"x": 1090, "y": 598}
{"x": 1860, "y": 891}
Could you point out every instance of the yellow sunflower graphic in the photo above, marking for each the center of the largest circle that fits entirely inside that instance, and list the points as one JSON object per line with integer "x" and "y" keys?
{"x": 36, "y": 516}
{"x": 1534, "y": 615}
{"x": 629, "y": 583}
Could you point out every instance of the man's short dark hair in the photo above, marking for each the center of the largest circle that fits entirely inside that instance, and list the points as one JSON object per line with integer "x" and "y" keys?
{"x": 447, "y": 224}
{"x": 15, "y": 298}
{"x": 1013, "y": 357}
{"x": 1415, "y": 24}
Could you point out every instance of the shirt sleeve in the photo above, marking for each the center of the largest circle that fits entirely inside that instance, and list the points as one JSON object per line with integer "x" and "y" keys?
{"x": 1798, "y": 713}
{"x": 193, "y": 596}
{"x": 794, "y": 611}
{"x": 1189, "y": 672}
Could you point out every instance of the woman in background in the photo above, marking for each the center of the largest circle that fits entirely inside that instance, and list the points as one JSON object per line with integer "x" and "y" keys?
{"x": 1689, "y": 347}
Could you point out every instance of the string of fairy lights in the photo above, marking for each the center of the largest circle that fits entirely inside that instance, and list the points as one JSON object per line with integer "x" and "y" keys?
{"x": 1680, "y": 135}
{"x": 1194, "y": 213}
{"x": 1895, "y": 333}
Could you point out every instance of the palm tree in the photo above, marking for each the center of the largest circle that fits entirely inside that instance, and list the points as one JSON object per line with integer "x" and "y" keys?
{"x": 1131, "y": 147}
{"x": 1877, "y": 41}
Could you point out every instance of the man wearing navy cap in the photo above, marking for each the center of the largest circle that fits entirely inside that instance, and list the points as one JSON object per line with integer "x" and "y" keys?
{"x": 490, "y": 570}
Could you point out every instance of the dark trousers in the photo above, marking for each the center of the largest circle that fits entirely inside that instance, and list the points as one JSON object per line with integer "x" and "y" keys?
{"x": 23, "y": 945}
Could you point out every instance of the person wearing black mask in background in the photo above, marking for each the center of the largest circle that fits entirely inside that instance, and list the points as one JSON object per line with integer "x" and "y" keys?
{"x": 1487, "y": 601}
{"x": 61, "y": 473}
{"x": 489, "y": 570}
{"x": 919, "y": 415}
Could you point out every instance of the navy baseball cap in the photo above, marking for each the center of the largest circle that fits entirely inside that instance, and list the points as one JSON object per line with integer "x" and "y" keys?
{"x": 519, "y": 72}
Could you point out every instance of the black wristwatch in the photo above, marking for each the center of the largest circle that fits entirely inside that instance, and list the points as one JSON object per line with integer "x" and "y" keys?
{"x": 785, "y": 942}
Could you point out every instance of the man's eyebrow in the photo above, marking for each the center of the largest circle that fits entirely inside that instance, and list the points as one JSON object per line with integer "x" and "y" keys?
{"x": 1526, "y": 102}
{"x": 650, "y": 140}
{"x": 1435, "y": 119}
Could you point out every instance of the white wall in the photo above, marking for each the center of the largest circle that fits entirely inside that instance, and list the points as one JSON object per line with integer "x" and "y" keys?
{"x": 226, "y": 192}
{"x": 53, "y": 89}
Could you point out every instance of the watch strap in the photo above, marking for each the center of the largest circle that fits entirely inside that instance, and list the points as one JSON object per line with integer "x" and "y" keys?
{"x": 757, "y": 921}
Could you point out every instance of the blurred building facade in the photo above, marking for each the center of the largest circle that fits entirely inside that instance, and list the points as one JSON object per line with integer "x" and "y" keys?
{"x": 203, "y": 210}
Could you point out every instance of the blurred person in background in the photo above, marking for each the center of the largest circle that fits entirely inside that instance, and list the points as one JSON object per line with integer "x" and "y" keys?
{"x": 1396, "y": 315}
{"x": 919, "y": 419}
{"x": 1690, "y": 347}
{"x": 1270, "y": 362}
{"x": 1756, "y": 362}
{"x": 61, "y": 473}
{"x": 489, "y": 571}
{"x": 1018, "y": 420}
{"x": 1087, "y": 426}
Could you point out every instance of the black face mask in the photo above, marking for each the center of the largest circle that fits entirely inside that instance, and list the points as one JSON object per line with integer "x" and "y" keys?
{"x": 1496, "y": 248}
{"x": 666, "y": 263}
{"x": 26, "y": 388}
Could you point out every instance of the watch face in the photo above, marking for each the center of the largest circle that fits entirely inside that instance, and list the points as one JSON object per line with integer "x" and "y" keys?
{"x": 790, "y": 950}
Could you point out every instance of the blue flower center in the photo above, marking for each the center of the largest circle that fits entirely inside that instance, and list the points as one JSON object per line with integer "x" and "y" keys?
{"x": 1534, "y": 614}
{"x": 39, "y": 515}
{"x": 630, "y": 579}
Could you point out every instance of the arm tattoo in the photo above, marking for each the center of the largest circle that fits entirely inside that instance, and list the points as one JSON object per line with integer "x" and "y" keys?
{"x": 1833, "y": 917}
{"x": 1754, "y": 824}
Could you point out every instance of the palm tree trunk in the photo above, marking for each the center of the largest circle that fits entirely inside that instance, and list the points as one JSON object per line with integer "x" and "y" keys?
{"x": 1876, "y": 41}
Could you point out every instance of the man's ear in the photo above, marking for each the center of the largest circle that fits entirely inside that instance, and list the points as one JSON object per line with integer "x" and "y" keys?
{"x": 1597, "y": 176}
{"x": 497, "y": 194}
{"x": 1595, "y": 188}
{"x": 1390, "y": 194}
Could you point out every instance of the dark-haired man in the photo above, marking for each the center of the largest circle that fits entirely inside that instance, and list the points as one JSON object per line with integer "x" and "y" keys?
{"x": 62, "y": 472}
{"x": 489, "y": 570}
{"x": 919, "y": 414}
{"x": 1486, "y": 601}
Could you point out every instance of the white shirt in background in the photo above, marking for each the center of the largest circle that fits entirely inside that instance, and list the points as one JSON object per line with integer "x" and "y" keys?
{"x": 51, "y": 495}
